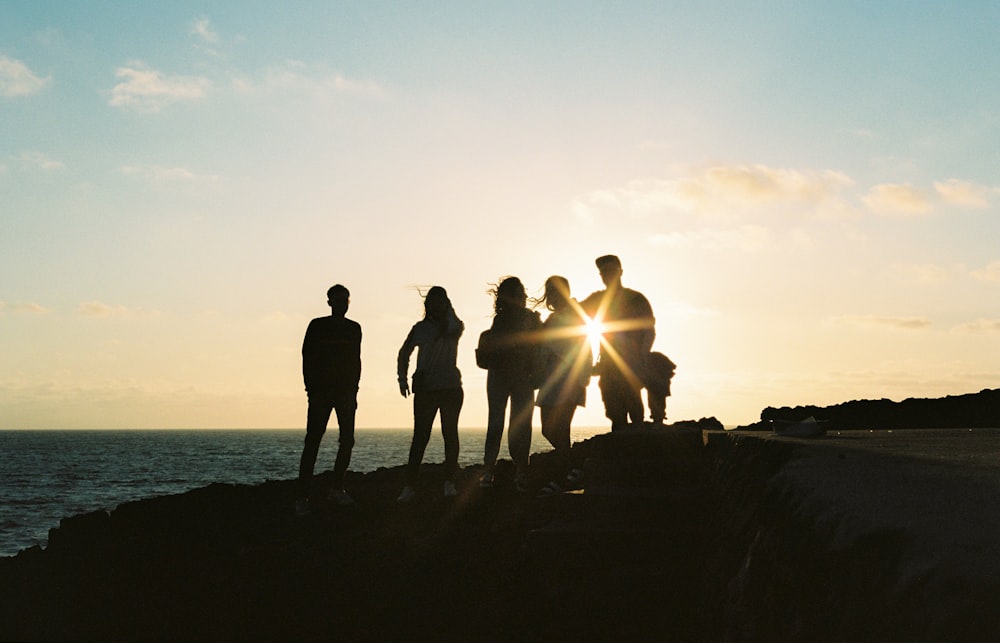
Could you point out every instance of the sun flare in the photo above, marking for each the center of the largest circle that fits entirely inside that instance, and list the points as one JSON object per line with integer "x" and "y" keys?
{"x": 595, "y": 330}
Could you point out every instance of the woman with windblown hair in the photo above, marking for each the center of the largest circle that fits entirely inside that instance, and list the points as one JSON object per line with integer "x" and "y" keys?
{"x": 508, "y": 352}
{"x": 437, "y": 386}
{"x": 568, "y": 363}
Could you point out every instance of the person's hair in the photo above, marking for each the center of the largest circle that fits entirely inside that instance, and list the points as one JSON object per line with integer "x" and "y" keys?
{"x": 338, "y": 288}
{"x": 554, "y": 284}
{"x": 608, "y": 260}
{"x": 437, "y": 291}
{"x": 508, "y": 286}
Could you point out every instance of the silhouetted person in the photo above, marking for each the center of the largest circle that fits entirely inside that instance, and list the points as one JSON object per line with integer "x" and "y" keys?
{"x": 331, "y": 368}
{"x": 659, "y": 372}
{"x": 437, "y": 386}
{"x": 568, "y": 362}
{"x": 628, "y": 338}
{"x": 509, "y": 354}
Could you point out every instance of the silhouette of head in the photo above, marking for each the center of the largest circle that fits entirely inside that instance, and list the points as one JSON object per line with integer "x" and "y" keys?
{"x": 510, "y": 294}
{"x": 556, "y": 292}
{"x": 339, "y": 298}
{"x": 610, "y": 268}
{"x": 436, "y": 303}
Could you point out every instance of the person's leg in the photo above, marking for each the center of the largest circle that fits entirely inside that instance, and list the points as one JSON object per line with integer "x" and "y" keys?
{"x": 451, "y": 407}
{"x": 317, "y": 418}
{"x": 556, "y": 422}
{"x": 611, "y": 386}
{"x": 496, "y": 397}
{"x": 633, "y": 404}
{"x": 346, "y": 407}
{"x": 425, "y": 407}
{"x": 522, "y": 406}
{"x": 657, "y": 405}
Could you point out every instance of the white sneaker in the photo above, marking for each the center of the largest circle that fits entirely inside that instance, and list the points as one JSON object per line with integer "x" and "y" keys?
{"x": 340, "y": 497}
{"x": 301, "y": 507}
{"x": 406, "y": 494}
{"x": 449, "y": 489}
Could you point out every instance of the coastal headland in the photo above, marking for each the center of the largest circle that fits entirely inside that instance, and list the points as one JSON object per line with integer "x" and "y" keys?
{"x": 683, "y": 532}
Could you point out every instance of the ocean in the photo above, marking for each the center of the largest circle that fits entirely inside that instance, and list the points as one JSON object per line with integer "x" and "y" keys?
{"x": 49, "y": 475}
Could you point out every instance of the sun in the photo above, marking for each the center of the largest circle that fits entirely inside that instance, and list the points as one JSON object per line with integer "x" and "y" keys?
{"x": 595, "y": 331}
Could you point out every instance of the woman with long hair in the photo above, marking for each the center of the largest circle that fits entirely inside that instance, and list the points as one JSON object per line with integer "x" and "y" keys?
{"x": 508, "y": 352}
{"x": 437, "y": 386}
{"x": 568, "y": 361}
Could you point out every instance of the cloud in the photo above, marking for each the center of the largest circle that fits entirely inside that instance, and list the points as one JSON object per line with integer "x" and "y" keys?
{"x": 293, "y": 77}
{"x": 990, "y": 273}
{"x": 99, "y": 309}
{"x": 16, "y": 79}
{"x": 903, "y": 199}
{"x": 201, "y": 29}
{"x": 41, "y": 161}
{"x": 979, "y": 326}
{"x": 159, "y": 173}
{"x": 24, "y": 308}
{"x": 722, "y": 189}
{"x": 900, "y": 323}
{"x": 963, "y": 193}
{"x": 898, "y": 199}
{"x": 148, "y": 90}
{"x": 926, "y": 273}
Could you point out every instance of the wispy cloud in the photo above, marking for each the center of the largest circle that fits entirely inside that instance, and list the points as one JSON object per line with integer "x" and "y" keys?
{"x": 926, "y": 273}
{"x": 24, "y": 308}
{"x": 16, "y": 79}
{"x": 882, "y": 321}
{"x": 989, "y": 273}
{"x": 979, "y": 326}
{"x": 160, "y": 173}
{"x": 724, "y": 188}
{"x": 904, "y": 199}
{"x": 149, "y": 90}
{"x": 294, "y": 77}
{"x": 964, "y": 193}
{"x": 40, "y": 161}
{"x": 202, "y": 29}
{"x": 99, "y": 309}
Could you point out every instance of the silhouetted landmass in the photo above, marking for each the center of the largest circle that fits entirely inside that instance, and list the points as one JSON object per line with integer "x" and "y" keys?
{"x": 969, "y": 411}
{"x": 685, "y": 532}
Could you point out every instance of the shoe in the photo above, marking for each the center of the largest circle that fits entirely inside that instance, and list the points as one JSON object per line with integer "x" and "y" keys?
{"x": 574, "y": 478}
{"x": 407, "y": 494}
{"x": 521, "y": 481}
{"x": 449, "y": 489}
{"x": 486, "y": 482}
{"x": 340, "y": 497}
{"x": 301, "y": 507}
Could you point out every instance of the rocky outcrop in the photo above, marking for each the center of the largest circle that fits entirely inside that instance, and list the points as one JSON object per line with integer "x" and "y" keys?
{"x": 973, "y": 410}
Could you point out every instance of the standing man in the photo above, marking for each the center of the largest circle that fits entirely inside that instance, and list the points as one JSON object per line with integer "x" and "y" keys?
{"x": 331, "y": 368}
{"x": 628, "y": 338}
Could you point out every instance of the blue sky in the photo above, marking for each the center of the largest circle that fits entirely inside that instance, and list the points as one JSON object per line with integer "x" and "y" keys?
{"x": 806, "y": 192}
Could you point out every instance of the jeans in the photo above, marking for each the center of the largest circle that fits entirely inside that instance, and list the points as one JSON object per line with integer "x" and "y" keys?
{"x": 500, "y": 388}
{"x": 427, "y": 404}
{"x": 318, "y": 416}
{"x": 622, "y": 399}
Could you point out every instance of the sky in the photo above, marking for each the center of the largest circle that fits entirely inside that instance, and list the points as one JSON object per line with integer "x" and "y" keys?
{"x": 807, "y": 192}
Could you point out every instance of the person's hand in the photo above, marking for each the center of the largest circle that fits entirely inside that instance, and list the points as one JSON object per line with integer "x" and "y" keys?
{"x": 404, "y": 389}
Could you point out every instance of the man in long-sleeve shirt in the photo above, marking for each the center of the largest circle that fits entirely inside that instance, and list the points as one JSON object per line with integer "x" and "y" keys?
{"x": 331, "y": 369}
{"x": 628, "y": 338}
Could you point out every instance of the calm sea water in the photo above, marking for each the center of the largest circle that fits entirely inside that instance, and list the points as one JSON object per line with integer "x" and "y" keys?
{"x": 49, "y": 475}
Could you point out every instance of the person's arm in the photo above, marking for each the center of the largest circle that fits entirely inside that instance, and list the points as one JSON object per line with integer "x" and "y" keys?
{"x": 356, "y": 358}
{"x": 308, "y": 357}
{"x": 403, "y": 363}
{"x": 454, "y": 327}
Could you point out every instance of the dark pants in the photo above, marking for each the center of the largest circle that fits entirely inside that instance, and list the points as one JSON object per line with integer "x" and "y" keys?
{"x": 622, "y": 399}
{"x": 556, "y": 422}
{"x": 426, "y": 405}
{"x": 320, "y": 408}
